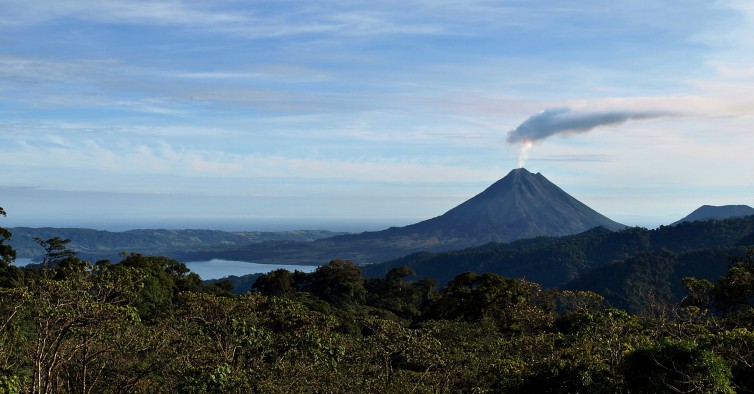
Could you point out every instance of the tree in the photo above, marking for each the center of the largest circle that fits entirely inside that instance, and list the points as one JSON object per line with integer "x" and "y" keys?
{"x": 736, "y": 346}
{"x": 405, "y": 299}
{"x": 70, "y": 337}
{"x": 162, "y": 279}
{"x": 7, "y": 254}
{"x": 277, "y": 283}
{"x": 56, "y": 250}
{"x": 13, "y": 303}
{"x": 734, "y": 291}
{"x": 677, "y": 367}
{"x": 10, "y": 275}
{"x": 516, "y": 305}
{"x": 339, "y": 282}
{"x": 700, "y": 292}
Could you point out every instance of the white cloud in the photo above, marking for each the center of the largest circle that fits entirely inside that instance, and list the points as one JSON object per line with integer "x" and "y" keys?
{"x": 375, "y": 92}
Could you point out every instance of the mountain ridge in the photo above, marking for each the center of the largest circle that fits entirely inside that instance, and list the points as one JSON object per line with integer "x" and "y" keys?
{"x": 519, "y": 205}
{"x": 707, "y": 212}
{"x": 554, "y": 261}
{"x": 101, "y": 244}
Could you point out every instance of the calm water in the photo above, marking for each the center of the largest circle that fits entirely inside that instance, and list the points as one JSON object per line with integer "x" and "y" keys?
{"x": 216, "y": 269}
{"x": 20, "y": 262}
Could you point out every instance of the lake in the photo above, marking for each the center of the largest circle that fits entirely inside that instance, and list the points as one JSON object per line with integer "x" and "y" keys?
{"x": 216, "y": 268}
{"x": 22, "y": 261}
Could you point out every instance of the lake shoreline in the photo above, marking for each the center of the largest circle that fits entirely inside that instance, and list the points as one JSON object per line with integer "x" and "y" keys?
{"x": 219, "y": 268}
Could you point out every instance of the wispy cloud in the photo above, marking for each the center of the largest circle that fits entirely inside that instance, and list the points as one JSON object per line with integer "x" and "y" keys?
{"x": 589, "y": 158}
{"x": 355, "y": 18}
{"x": 163, "y": 159}
{"x": 116, "y": 85}
{"x": 113, "y": 11}
{"x": 565, "y": 121}
{"x": 254, "y": 20}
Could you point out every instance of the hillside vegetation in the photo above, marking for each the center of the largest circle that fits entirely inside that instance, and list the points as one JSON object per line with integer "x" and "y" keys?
{"x": 617, "y": 264}
{"x": 149, "y": 325}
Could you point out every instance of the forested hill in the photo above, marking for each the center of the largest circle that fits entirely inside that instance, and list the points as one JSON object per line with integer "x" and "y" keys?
{"x": 707, "y": 212}
{"x": 149, "y": 325}
{"x": 96, "y": 244}
{"x": 555, "y": 261}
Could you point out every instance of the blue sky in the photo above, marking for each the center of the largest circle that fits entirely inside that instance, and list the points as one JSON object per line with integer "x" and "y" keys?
{"x": 356, "y": 115}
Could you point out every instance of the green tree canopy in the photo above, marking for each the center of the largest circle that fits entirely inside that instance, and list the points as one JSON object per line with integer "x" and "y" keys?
{"x": 7, "y": 254}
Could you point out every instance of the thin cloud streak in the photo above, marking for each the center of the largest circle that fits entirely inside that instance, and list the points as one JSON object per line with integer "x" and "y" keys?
{"x": 163, "y": 158}
{"x": 113, "y": 11}
{"x": 554, "y": 121}
{"x": 354, "y": 19}
{"x": 253, "y": 22}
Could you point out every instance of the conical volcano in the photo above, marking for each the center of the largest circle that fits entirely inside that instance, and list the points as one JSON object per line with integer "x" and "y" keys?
{"x": 520, "y": 205}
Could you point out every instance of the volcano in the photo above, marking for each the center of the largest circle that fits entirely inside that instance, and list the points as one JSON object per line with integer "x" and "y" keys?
{"x": 520, "y": 205}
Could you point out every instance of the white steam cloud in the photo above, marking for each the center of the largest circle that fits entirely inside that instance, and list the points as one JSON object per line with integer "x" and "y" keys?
{"x": 523, "y": 154}
{"x": 564, "y": 121}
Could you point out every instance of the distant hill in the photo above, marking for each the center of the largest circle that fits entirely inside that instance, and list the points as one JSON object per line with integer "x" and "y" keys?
{"x": 707, "y": 212}
{"x": 555, "y": 261}
{"x": 96, "y": 244}
{"x": 520, "y": 205}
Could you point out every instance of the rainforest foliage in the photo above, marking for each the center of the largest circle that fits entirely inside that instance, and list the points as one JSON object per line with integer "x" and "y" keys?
{"x": 623, "y": 266}
{"x": 149, "y": 325}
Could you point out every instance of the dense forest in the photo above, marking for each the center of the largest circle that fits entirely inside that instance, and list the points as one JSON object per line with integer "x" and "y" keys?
{"x": 621, "y": 265}
{"x": 147, "y": 324}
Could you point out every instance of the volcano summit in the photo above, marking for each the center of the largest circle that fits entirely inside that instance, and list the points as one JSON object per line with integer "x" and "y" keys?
{"x": 520, "y": 205}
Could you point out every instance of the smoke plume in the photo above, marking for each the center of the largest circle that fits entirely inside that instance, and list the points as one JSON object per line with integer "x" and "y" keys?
{"x": 564, "y": 121}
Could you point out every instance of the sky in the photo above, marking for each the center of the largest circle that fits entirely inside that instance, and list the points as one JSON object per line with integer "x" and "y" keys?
{"x": 359, "y": 115}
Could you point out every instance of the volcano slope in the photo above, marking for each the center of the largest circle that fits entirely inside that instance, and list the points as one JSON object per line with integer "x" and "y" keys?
{"x": 520, "y": 205}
